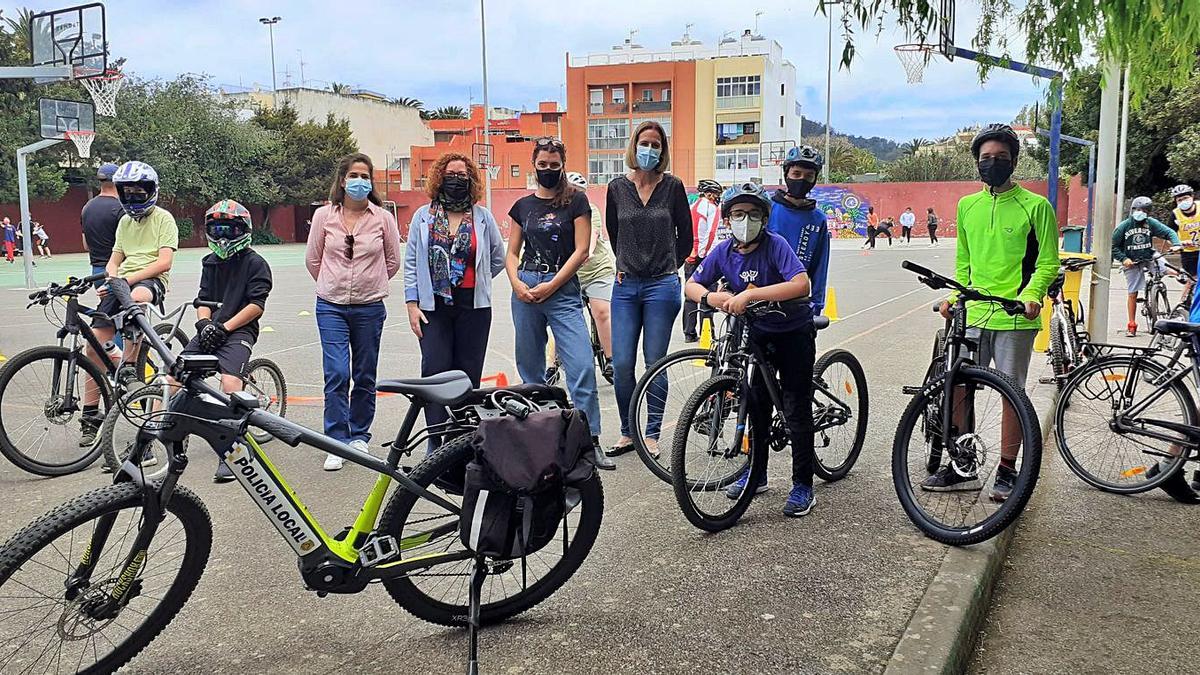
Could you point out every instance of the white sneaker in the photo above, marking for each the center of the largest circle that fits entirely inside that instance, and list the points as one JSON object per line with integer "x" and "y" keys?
{"x": 360, "y": 445}
{"x": 333, "y": 462}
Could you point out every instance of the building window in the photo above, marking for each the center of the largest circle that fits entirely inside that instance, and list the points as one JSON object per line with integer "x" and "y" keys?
{"x": 740, "y": 158}
{"x": 516, "y": 170}
{"x": 595, "y": 101}
{"x": 647, "y": 94}
{"x": 781, "y": 121}
{"x": 781, "y": 90}
{"x": 666, "y": 94}
{"x": 745, "y": 85}
{"x": 618, "y": 95}
{"x": 738, "y": 133}
{"x": 603, "y": 169}
{"x": 665, "y": 122}
{"x": 608, "y": 134}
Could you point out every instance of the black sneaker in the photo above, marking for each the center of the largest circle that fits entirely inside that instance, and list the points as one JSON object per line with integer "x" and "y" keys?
{"x": 691, "y": 338}
{"x": 1003, "y": 486}
{"x": 1177, "y": 485}
{"x": 89, "y": 427}
{"x": 224, "y": 474}
{"x": 949, "y": 480}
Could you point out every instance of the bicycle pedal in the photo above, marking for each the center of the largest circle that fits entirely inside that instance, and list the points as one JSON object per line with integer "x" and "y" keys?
{"x": 911, "y": 391}
{"x": 1047, "y": 380}
{"x": 378, "y": 550}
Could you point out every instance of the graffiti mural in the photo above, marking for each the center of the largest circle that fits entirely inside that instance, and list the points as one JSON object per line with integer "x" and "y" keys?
{"x": 845, "y": 210}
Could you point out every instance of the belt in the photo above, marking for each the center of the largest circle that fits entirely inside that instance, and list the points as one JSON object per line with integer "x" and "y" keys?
{"x": 540, "y": 268}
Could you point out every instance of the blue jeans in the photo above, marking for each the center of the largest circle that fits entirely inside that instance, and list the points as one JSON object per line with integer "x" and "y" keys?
{"x": 642, "y": 305}
{"x": 350, "y": 350}
{"x": 117, "y": 339}
{"x": 563, "y": 313}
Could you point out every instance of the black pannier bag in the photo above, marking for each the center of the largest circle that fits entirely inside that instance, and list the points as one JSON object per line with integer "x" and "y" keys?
{"x": 520, "y": 484}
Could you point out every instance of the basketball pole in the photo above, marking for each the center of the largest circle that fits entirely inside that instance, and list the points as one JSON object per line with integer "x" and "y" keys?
{"x": 1106, "y": 188}
{"x": 23, "y": 188}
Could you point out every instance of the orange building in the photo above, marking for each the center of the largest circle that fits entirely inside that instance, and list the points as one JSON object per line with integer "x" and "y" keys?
{"x": 511, "y": 139}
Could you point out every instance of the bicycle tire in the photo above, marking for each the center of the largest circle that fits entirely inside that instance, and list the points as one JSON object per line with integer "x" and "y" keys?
{"x": 1065, "y": 436}
{"x": 930, "y": 419}
{"x": 1162, "y": 305}
{"x": 272, "y": 370}
{"x": 686, "y": 487}
{"x": 49, "y": 529}
{"x": 20, "y": 457}
{"x": 837, "y": 472}
{"x": 660, "y": 467}
{"x": 175, "y": 338}
{"x": 971, "y": 377}
{"x": 452, "y": 457}
{"x": 1060, "y": 361}
{"x": 116, "y": 448}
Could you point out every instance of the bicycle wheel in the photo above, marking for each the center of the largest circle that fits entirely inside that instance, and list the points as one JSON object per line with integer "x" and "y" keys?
{"x": 48, "y": 628}
{"x": 118, "y": 434}
{"x": 147, "y": 363}
{"x": 706, "y": 456}
{"x": 657, "y": 403}
{"x": 931, "y": 416}
{"x": 439, "y": 594}
{"x": 1124, "y": 463}
{"x": 1061, "y": 358}
{"x": 38, "y": 419}
{"x": 265, "y": 380}
{"x": 840, "y": 411}
{"x": 966, "y": 512}
{"x": 1157, "y": 305}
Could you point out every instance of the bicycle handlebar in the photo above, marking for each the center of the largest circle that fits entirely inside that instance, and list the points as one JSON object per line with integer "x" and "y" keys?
{"x": 206, "y": 303}
{"x": 938, "y": 282}
{"x": 74, "y": 286}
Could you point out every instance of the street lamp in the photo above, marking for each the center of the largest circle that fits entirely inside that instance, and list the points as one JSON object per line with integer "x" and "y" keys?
{"x": 487, "y": 111}
{"x": 270, "y": 24}
{"x": 828, "y": 88}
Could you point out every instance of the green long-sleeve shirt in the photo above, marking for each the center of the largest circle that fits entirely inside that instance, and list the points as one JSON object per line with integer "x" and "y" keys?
{"x": 1134, "y": 240}
{"x": 1007, "y": 246}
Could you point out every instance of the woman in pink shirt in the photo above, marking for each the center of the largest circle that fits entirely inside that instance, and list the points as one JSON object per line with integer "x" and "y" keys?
{"x": 353, "y": 250}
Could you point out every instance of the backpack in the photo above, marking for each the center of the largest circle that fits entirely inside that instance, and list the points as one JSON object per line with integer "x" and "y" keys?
{"x": 518, "y": 486}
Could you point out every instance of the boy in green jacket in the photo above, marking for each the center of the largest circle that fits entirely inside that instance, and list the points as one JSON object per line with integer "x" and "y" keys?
{"x": 1133, "y": 245}
{"x": 1007, "y": 246}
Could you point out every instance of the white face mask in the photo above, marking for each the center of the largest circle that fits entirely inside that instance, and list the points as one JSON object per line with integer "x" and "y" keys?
{"x": 1139, "y": 215}
{"x": 745, "y": 228}
{"x": 1186, "y": 204}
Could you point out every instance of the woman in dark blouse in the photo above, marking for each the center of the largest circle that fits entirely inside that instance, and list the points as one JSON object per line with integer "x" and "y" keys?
{"x": 650, "y": 227}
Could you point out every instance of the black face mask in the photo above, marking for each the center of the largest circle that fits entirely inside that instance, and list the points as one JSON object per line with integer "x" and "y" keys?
{"x": 799, "y": 187}
{"x": 456, "y": 189}
{"x": 549, "y": 178}
{"x": 995, "y": 171}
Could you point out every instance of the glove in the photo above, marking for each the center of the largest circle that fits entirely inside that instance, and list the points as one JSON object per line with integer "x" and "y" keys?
{"x": 201, "y": 324}
{"x": 212, "y": 336}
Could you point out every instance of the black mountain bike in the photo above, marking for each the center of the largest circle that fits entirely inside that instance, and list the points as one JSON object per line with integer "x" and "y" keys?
{"x": 93, "y": 582}
{"x": 955, "y": 424}
{"x": 1067, "y": 340}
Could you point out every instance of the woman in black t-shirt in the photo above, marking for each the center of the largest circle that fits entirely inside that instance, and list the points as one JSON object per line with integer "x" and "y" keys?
{"x": 553, "y": 228}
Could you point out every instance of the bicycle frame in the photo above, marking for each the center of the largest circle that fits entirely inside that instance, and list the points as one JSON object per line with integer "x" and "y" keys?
{"x": 1130, "y": 421}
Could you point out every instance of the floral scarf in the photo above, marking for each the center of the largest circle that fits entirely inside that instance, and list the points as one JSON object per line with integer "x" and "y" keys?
{"x": 449, "y": 255}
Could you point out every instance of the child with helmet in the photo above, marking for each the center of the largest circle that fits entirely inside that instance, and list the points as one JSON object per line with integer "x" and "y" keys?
{"x": 1132, "y": 245}
{"x": 759, "y": 265}
{"x": 798, "y": 219}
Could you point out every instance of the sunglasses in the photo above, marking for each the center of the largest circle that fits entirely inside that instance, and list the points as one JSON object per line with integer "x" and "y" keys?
{"x": 549, "y": 142}
{"x": 350, "y": 247}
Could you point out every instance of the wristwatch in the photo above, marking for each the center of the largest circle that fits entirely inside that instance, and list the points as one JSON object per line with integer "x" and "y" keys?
{"x": 704, "y": 299}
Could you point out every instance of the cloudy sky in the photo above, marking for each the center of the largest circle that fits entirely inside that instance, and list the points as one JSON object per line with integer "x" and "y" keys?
{"x": 430, "y": 50}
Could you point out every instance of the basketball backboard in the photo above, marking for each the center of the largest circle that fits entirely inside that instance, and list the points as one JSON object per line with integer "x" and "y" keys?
{"x": 945, "y": 29}
{"x": 482, "y": 154}
{"x": 772, "y": 153}
{"x": 58, "y": 117}
{"x": 74, "y": 37}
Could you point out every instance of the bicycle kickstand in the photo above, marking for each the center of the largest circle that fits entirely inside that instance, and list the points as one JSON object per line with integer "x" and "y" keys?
{"x": 478, "y": 574}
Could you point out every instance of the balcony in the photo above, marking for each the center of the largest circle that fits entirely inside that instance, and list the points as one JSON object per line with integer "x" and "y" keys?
{"x": 736, "y": 102}
{"x": 651, "y": 106}
{"x": 744, "y": 139}
{"x": 621, "y": 108}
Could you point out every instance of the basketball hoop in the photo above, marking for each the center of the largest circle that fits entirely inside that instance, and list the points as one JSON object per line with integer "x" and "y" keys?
{"x": 82, "y": 140}
{"x": 914, "y": 57}
{"x": 104, "y": 91}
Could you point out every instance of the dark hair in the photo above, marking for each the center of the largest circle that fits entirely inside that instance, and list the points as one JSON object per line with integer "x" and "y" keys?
{"x": 433, "y": 180}
{"x": 564, "y": 192}
{"x": 931, "y": 209}
{"x": 870, "y": 209}
{"x": 337, "y": 193}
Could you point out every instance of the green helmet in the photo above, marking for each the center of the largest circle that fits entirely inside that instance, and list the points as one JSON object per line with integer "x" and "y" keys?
{"x": 227, "y": 227}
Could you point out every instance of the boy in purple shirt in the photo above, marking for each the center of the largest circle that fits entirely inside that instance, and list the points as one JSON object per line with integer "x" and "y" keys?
{"x": 758, "y": 265}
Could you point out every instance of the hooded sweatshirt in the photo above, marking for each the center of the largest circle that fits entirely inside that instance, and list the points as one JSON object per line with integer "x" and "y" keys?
{"x": 806, "y": 231}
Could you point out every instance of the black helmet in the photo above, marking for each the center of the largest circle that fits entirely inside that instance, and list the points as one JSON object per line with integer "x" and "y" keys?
{"x": 751, "y": 193}
{"x": 804, "y": 155}
{"x": 997, "y": 132}
{"x": 708, "y": 186}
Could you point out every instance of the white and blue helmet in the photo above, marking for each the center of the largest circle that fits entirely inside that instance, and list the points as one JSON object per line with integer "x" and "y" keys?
{"x": 136, "y": 175}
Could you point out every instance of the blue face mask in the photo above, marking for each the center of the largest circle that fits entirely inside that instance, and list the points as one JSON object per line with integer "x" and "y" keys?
{"x": 358, "y": 188}
{"x": 647, "y": 157}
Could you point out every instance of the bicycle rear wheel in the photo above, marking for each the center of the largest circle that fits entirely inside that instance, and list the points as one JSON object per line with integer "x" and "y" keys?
{"x": 47, "y": 628}
{"x": 657, "y": 403}
{"x": 840, "y": 412}
{"x": 966, "y": 511}
{"x": 118, "y": 434}
{"x": 707, "y": 456}
{"x": 439, "y": 594}
{"x": 148, "y": 360}
{"x": 40, "y": 422}
{"x": 265, "y": 380}
{"x": 1124, "y": 463}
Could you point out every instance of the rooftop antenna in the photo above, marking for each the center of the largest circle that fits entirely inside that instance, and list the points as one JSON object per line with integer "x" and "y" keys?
{"x": 301, "y": 53}
{"x": 756, "y": 15}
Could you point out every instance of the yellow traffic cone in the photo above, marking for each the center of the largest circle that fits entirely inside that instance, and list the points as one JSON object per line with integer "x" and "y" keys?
{"x": 831, "y": 310}
{"x": 705, "y": 338}
{"x": 3, "y": 358}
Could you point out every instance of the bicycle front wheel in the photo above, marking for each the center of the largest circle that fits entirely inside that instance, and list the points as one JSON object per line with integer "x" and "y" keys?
{"x": 1121, "y": 462}
{"x": 439, "y": 594}
{"x": 965, "y": 500}
{"x": 265, "y": 380}
{"x": 840, "y": 411}
{"x": 54, "y": 609}
{"x": 657, "y": 404}
{"x": 41, "y": 410}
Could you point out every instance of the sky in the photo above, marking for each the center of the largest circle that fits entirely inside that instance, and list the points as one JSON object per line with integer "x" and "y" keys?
{"x": 430, "y": 50}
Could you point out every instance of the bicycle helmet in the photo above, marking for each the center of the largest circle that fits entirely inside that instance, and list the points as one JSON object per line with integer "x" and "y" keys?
{"x": 227, "y": 227}
{"x": 1141, "y": 204}
{"x": 1181, "y": 190}
{"x": 997, "y": 132}
{"x": 575, "y": 178}
{"x": 804, "y": 155}
{"x": 708, "y": 186}
{"x": 743, "y": 193}
{"x": 136, "y": 175}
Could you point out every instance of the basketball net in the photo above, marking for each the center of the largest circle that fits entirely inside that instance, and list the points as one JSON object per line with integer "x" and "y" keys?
{"x": 82, "y": 140}
{"x": 104, "y": 91}
{"x": 914, "y": 58}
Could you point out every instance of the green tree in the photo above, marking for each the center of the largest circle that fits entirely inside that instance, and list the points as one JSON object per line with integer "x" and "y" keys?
{"x": 449, "y": 112}
{"x": 339, "y": 88}
{"x": 915, "y": 145}
{"x": 952, "y": 164}
{"x": 302, "y": 156}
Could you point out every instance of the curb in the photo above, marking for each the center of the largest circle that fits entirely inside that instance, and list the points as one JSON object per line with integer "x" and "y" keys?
{"x": 941, "y": 635}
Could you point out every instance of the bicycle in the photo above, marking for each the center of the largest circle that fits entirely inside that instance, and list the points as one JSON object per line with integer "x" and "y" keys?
{"x": 1067, "y": 342}
{"x": 840, "y": 403}
{"x": 953, "y": 424}
{"x": 602, "y": 360}
{"x": 136, "y": 549}
{"x": 41, "y": 388}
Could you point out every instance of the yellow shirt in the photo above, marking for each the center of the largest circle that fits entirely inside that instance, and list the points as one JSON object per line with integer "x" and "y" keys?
{"x": 139, "y": 240}
{"x": 1189, "y": 229}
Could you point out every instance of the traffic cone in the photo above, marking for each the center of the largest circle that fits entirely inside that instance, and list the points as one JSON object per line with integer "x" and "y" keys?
{"x": 705, "y": 338}
{"x": 831, "y": 310}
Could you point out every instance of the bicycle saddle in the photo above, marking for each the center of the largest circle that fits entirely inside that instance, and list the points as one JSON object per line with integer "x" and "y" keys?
{"x": 443, "y": 389}
{"x": 1175, "y": 327}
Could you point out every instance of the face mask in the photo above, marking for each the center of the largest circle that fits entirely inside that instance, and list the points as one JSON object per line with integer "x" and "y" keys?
{"x": 1186, "y": 204}
{"x": 647, "y": 157}
{"x": 745, "y": 228}
{"x": 549, "y": 178}
{"x": 456, "y": 189}
{"x": 798, "y": 187}
{"x": 995, "y": 171}
{"x": 358, "y": 188}
{"x": 1139, "y": 215}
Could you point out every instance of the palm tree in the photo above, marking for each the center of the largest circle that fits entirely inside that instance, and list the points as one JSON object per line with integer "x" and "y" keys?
{"x": 911, "y": 147}
{"x": 449, "y": 112}
{"x": 339, "y": 88}
{"x": 409, "y": 102}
